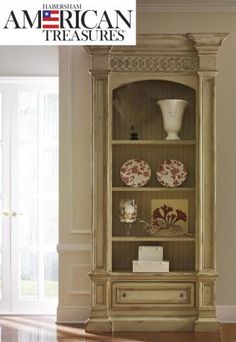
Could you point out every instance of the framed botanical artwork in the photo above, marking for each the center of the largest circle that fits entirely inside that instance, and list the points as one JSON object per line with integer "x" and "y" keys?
{"x": 169, "y": 217}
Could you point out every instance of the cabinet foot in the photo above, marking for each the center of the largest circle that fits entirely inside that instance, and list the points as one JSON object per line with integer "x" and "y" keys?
{"x": 98, "y": 326}
{"x": 207, "y": 325}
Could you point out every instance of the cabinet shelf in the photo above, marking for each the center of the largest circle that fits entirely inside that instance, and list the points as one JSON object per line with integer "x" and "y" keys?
{"x": 174, "y": 274}
{"x": 154, "y": 142}
{"x": 153, "y": 189}
{"x": 153, "y": 238}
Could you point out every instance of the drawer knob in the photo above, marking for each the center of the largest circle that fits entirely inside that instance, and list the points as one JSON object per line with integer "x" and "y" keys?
{"x": 181, "y": 295}
{"x": 123, "y": 295}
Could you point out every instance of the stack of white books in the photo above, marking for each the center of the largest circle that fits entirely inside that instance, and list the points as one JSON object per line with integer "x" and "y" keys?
{"x": 150, "y": 259}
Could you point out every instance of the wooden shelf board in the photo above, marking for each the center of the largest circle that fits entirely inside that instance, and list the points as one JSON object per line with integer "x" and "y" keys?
{"x": 153, "y": 238}
{"x": 189, "y": 273}
{"x": 155, "y": 189}
{"x": 153, "y": 142}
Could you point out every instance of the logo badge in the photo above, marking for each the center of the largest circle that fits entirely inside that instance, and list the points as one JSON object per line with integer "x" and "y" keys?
{"x": 85, "y": 22}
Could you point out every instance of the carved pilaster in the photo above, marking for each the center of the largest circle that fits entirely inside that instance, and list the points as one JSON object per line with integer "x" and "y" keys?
{"x": 99, "y": 320}
{"x": 206, "y": 233}
{"x": 99, "y": 298}
{"x": 207, "y": 46}
{"x": 206, "y": 287}
{"x": 100, "y": 57}
{"x": 207, "y": 171}
{"x": 100, "y": 81}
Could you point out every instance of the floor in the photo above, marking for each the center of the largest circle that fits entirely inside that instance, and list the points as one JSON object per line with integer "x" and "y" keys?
{"x": 43, "y": 329}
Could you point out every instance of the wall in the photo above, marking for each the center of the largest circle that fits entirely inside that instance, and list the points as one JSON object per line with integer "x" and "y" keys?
{"x": 75, "y": 185}
{"x": 75, "y": 225}
{"x": 29, "y": 61}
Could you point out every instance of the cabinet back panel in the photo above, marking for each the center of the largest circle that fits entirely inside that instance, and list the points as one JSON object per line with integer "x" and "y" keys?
{"x": 136, "y": 104}
{"x": 181, "y": 255}
{"x": 154, "y": 156}
{"x": 143, "y": 201}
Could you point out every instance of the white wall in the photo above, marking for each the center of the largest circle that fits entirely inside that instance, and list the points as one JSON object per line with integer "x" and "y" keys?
{"x": 75, "y": 185}
{"x": 29, "y": 61}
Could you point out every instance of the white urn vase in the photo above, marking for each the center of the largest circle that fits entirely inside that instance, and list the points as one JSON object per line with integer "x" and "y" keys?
{"x": 172, "y": 112}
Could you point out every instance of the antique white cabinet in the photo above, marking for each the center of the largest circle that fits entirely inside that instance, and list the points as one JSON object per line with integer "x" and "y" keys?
{"x": 136, "y": 77}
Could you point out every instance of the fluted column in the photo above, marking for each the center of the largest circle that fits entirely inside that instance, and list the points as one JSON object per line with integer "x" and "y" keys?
{"x": 207, "y": 46}
{"x": 99, "y": 320}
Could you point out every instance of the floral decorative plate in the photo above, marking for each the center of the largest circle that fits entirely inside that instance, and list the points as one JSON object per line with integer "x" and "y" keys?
{"x": 171, "y": 173}
{"x": 135, "y": 173}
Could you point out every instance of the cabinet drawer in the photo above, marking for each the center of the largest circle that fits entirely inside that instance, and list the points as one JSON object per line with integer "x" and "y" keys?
{"x": 153, "y": 294}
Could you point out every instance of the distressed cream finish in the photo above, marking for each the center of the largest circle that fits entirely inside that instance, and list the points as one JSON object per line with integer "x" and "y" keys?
{"x": 186, "y": 59}
{"x": 152, "y": 294}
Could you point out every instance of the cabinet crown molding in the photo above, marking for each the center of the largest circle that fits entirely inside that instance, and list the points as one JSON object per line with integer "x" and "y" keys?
{"x": 160, "y": 53}
{"x": 207, "y": 43}
{"x": 157, "y": 44}
{"x": 164, "y": 44}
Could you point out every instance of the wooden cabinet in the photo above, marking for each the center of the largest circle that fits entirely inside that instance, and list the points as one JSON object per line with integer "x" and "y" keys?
{"x": 158, "y": 67}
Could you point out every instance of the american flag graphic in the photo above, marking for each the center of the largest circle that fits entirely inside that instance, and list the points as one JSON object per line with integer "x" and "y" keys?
{"x": 51, "y": 19}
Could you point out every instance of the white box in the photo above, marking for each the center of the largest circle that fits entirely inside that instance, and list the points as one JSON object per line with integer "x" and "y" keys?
{"x": 150, "y": 266}
{"x": 150, "y": 253}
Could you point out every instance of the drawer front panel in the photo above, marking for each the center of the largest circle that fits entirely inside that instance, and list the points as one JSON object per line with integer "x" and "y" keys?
{"x": 153, "y": 294}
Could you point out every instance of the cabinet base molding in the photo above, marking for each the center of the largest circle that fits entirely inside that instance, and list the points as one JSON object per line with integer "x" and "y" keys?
{"x": 139, "y": 324}
{"x": 207, "y": 325}
{"x": 153, "y": 324}
{"x": 98, "y": 326}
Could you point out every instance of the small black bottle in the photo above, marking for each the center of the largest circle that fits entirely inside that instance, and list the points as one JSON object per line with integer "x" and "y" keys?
{"x": 133, "y": 134}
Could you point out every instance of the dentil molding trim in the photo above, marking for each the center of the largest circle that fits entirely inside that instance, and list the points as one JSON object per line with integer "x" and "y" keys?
{"x": 165, "y": 6}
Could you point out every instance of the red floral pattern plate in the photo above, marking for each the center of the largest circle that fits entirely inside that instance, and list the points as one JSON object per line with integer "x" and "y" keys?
{"x": 171, "y": 173}
{"x": 135, "y": 173}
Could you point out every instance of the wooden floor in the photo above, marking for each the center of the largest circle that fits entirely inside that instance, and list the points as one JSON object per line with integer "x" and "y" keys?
{"x": 43, "y": 329}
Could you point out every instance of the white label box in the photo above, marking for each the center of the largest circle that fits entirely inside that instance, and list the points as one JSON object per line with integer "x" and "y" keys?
{"x": 150, "y": 266}
{"x": 150, "y": 253}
